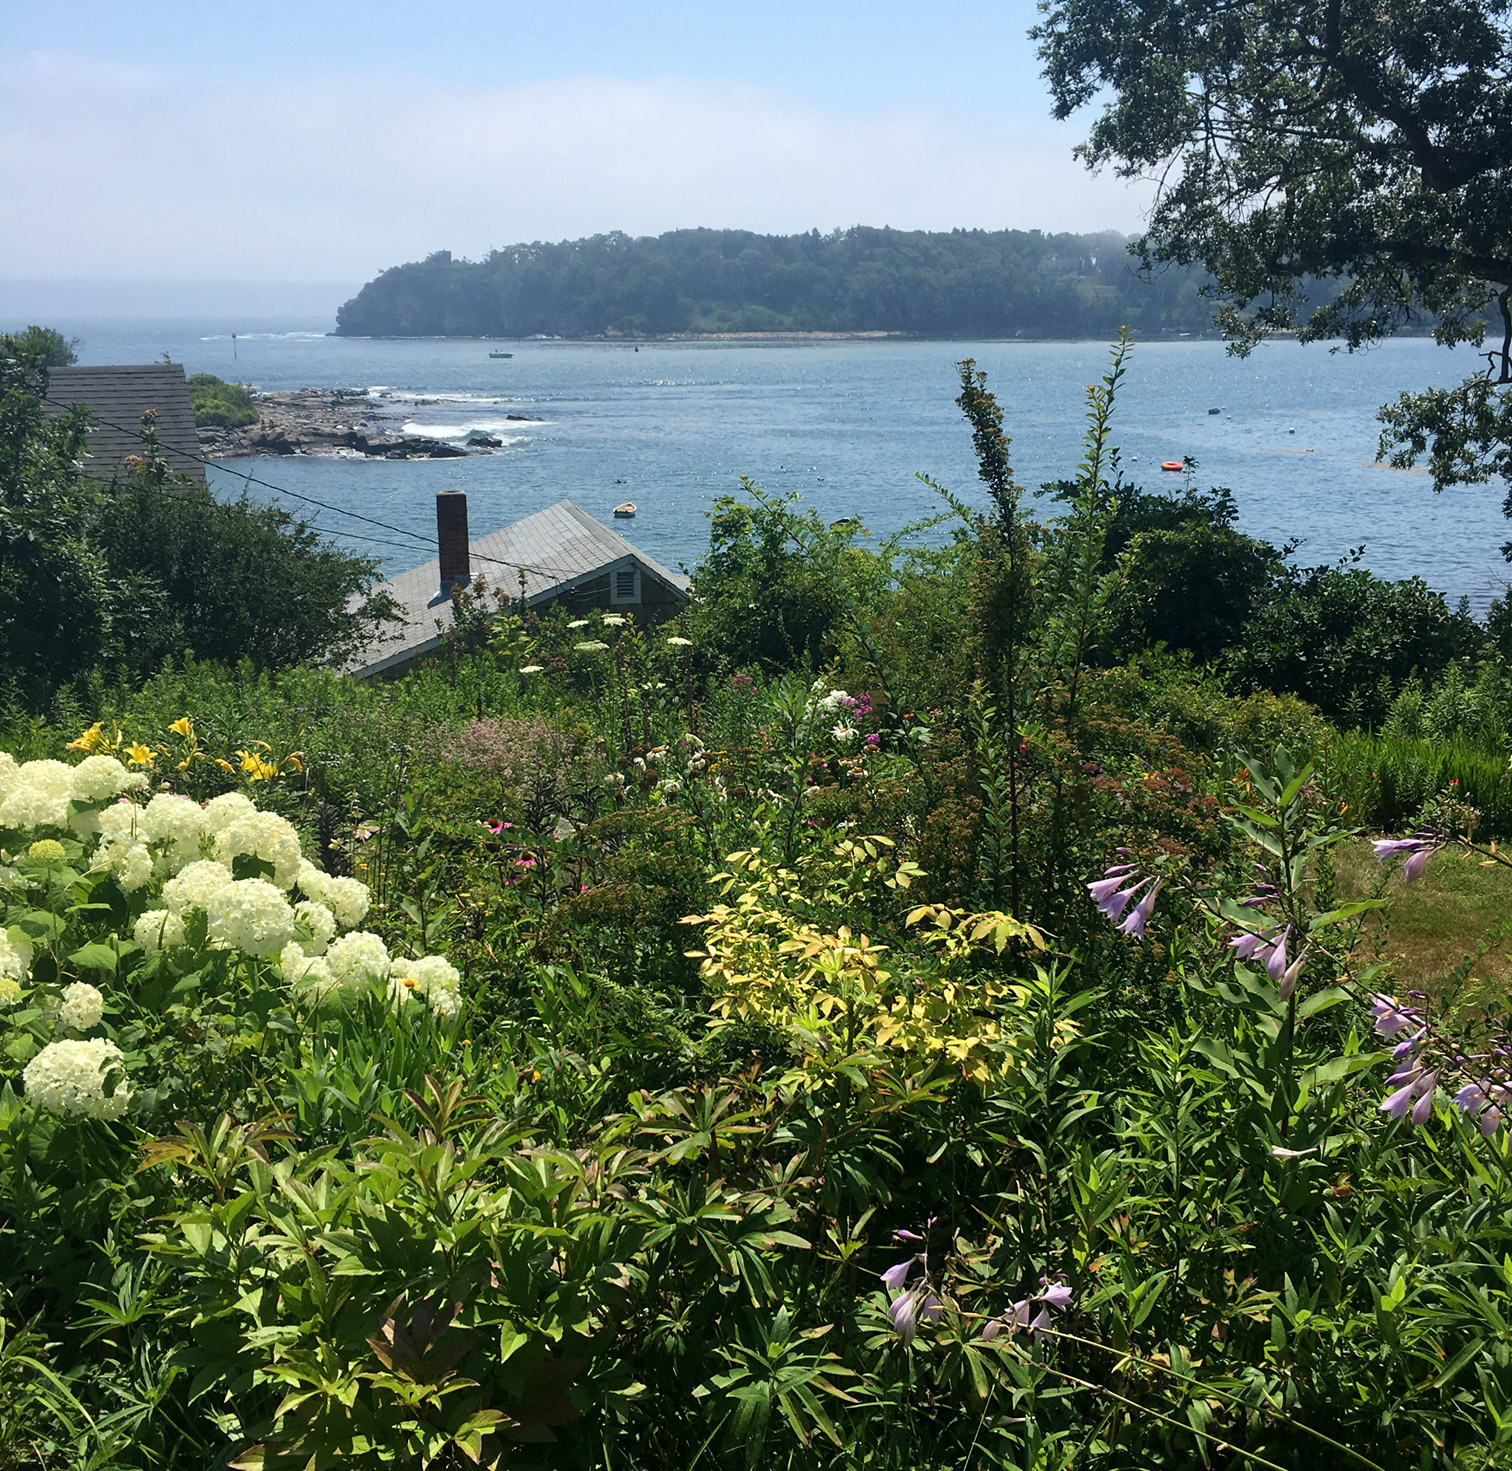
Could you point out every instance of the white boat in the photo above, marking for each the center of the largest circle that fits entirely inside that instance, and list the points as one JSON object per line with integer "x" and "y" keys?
{"x": 625, "y": 511}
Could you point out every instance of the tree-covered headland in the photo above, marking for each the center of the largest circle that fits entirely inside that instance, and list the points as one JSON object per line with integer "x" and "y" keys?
{"x": 958, "y": 283}
{"x": 959, "y": 1000}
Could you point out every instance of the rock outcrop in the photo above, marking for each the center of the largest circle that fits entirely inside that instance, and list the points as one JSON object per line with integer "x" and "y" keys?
{"x": 335, "y": 422}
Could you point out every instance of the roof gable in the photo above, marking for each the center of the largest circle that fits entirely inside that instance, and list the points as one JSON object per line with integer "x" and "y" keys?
{"x": 553, "y": 550}
{"x": 118, "y": 397}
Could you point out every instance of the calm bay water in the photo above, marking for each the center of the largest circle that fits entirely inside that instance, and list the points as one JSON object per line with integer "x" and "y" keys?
{"x": 846, "y": 425}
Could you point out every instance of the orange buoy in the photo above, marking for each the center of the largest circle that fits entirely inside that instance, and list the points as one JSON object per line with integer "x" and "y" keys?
{"x": 1171, "y": 465}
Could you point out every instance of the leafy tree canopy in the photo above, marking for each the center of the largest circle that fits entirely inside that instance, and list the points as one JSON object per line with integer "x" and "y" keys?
{"x": 1365, "y": 142}
{"x": 956, "y": 283}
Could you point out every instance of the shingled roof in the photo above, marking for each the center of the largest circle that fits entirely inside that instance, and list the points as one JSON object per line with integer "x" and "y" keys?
{"x": 118, "y": 397}
{"x": 563, "y": 553}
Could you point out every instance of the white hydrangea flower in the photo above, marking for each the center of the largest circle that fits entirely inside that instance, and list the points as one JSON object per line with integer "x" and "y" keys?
{"x": 265, "y": 835}
{"x": 195, "y": 883}
{"x": 122, "y": 818}
{"x": 222, "y": 811}
{"x": 128, "y": 858}
{"x": 347, "y": 899}
{"x": 159, "y": 929}
{"x": 99, "y": 778}
{"x": 50, "y": 776}
{"x": 302, "y": 969}
{"x": 83, "y": 1006}
{"x": 433, "y": 979}
{"x": 176, "y": 826}
{"x": 9, "y": 773}
{"x": 357, "y": 959}
{"x": 68, "y": 1079}
{"x": 250, "y": 915}
{"x": 322, "y": 925}
{"x": 15, "y": 956}
{"x": 10, "y": 991}
{"x": 28, "y": 805}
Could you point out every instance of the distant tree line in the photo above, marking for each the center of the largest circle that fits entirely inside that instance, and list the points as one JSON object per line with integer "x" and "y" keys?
{"x": 957, "y": 283}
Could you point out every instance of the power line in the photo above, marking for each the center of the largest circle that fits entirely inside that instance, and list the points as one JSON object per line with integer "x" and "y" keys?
{"x": 544, "y": 569}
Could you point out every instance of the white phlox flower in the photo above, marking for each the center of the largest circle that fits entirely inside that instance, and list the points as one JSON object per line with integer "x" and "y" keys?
{"x": 128, "y": 858}
{"x": 68, "y": 1079}
{"x": 194, "y": 885}
{"x": 346, "y": 898}
{"x": 264, "y": 835}
{"x": 82, "y": 1008}
{"x": 322, "y": 925}
{"x": 833, "y": 700}
{"x": 358, "y": 959}
{"x": 229, "y": 807}
{"x": 250, "y": 915}
{"x": 175, "y": 826}
{"x": 159, "y": 929}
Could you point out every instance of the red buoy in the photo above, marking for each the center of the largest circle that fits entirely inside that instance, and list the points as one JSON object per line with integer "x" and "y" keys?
{"x": 1171, "y": 465}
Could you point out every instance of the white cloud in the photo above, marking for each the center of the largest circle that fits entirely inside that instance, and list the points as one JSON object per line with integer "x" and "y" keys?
{"x": 108, "y": 172}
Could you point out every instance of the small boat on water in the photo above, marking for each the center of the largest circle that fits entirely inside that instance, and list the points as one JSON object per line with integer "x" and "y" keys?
{"x": 1172, "y": 465}
{"x": 625, "y": 511}
{"x": 501, "y": 354}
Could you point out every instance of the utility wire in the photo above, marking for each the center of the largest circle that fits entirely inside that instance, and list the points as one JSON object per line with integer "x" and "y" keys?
{"x": 428, "y": 543}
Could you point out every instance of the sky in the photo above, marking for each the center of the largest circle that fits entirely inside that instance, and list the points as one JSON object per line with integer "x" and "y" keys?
{"x": 318, "y": 143}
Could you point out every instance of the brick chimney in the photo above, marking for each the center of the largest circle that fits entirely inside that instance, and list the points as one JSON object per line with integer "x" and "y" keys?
{"x": 451, "y": 533}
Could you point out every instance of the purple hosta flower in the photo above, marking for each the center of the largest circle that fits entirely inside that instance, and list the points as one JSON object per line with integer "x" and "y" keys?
{"x": 1418, "y": 851}
{"x": 1391, "y": 1018}
{"x": 906, "y": 1311}
{"x": 1055, "y": 1297}
{"x": 1244, "y": 946}
{"x": 1414, "y": 1096}
{"x": 1479, "y": 1100}
{"x": 908, "y": 1235}
{"x": 895, "y": 1278}
{"x": 1275, "y": 956}
{"x": 1139, "y": 917}
{"x": 1289, "y": 976}
{"x": 1103, "y": 889}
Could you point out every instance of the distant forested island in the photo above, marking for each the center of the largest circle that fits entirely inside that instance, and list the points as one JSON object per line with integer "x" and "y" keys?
{"x": 956, "y": 283}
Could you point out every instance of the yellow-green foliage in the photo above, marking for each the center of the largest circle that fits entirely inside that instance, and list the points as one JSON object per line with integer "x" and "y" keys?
{"x": 775, "y": 954}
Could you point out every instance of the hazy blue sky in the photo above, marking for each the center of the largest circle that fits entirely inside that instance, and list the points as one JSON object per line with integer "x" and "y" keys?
{"x": 322, "y": 141}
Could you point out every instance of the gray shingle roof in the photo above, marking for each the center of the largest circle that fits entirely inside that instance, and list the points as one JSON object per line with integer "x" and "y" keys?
{"x": 556, "y": 549}
{"x": 118, "y": 397}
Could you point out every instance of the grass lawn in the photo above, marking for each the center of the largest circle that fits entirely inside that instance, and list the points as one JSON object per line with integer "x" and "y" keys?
{"x": 1439, "y": 922}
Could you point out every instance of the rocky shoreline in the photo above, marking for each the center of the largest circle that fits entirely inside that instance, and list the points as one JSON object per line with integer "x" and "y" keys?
{"x": 338, "y": 423}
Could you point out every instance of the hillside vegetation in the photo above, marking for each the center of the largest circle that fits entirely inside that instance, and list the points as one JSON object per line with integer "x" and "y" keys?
{"x": 958, "y": 283}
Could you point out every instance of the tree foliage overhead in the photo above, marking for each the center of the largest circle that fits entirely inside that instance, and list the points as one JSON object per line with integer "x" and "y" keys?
{"x": 960, "y": 283}
{"x": 1367, "y": 142}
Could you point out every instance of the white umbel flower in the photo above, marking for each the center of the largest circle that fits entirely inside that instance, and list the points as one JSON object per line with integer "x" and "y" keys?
{"x": 159, "y": 929}
{"x": 264, "y": 835}
{"x": 68, "y": 1079}
{"x": 82, "y": 1008}
{"x": 358, "y": 959}
{"x": 250, "y": 915}
{"x": 195, "y": 883}
{"x": 175, "y": 826}
{"x": 347, "y": 899}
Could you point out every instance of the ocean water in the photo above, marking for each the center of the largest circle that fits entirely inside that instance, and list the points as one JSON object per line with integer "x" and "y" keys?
{"x": 847, "y": 426}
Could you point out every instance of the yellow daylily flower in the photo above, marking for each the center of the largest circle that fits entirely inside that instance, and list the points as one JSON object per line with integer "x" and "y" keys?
{"x": 94, "y": 740}
{"x": 137, "y": 754}
{"x": 183, "y": 726}
{"x": 255, "y": 768}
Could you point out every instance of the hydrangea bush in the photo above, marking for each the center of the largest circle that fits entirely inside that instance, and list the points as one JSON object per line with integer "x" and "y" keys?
{"x": 138, "y": 924}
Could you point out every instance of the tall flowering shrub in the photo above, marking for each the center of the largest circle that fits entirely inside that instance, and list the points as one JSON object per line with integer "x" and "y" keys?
{"x": 142, "y": 930}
